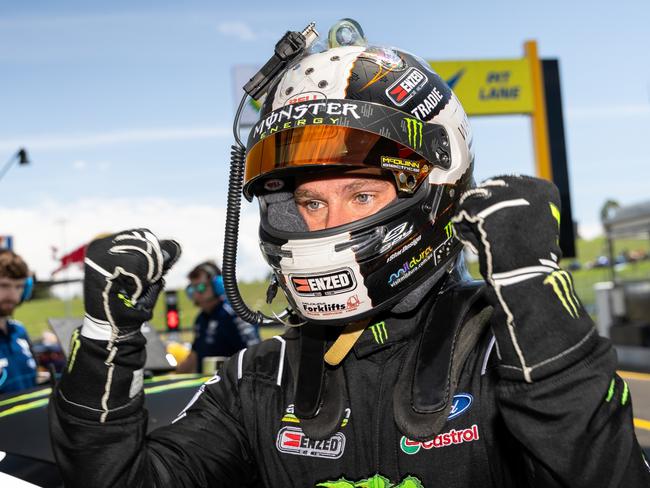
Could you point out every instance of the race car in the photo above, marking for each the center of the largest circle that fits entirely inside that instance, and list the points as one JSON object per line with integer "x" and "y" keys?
{"x": 26, "y": 458}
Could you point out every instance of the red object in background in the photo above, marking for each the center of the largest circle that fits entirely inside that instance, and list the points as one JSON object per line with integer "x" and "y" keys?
{"x": 172, "y": 312}
{"x": 172, "y": 320}
{"x": 75, "y": 257}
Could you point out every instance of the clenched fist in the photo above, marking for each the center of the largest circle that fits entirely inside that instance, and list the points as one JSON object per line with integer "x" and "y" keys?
{"x": 512, "y": 222}
{"x": 540, "y": 326}
{"x": 123, "y": 277}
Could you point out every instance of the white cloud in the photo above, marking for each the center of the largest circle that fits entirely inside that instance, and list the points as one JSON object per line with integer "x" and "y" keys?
{"x": 65, "y": 141}
{"x": 590, "y": 230}
{"x": 237, "y": 29}
{"x": 199, "y": 229}
{"x": 79, "y": 164}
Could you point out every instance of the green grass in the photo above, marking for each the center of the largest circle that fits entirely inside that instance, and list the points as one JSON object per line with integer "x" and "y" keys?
{"x": 585, "y": 279}
{"x": 34, "y": 314}
{"x": 589, "y": 250}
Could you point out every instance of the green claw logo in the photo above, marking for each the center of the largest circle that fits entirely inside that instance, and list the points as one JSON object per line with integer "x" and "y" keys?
{"x": 414, "y": 128}
{"x": 561, "y": 283}
{"x": 449, "y": 229}
{"x": 377, "y": 481}
{"x": 379, "y": 332}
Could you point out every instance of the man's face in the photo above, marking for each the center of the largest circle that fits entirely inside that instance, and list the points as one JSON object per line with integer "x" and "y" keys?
{"x": 202, "y": 294}
{"x": 11, "y": 291}
{"x": 329, "y": 202}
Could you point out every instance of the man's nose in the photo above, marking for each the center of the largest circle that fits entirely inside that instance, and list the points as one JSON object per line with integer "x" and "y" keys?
{"x": 337, "y": 215}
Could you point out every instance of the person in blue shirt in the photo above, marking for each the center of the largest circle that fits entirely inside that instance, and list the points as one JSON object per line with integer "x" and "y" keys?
{"x": 17, "y": 363}
{"x": 217, "y": 329}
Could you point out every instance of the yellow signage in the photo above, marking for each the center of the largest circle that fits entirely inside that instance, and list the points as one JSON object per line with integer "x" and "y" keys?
{"x": 490, "y": 87}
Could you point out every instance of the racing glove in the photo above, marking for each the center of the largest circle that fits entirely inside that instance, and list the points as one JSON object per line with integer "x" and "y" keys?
{"x": 123, "y": 278}
{"x": 512, "y": 223}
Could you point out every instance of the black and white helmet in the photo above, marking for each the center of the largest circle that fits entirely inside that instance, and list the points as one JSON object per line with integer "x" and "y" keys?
{"x": 359, "y": 109}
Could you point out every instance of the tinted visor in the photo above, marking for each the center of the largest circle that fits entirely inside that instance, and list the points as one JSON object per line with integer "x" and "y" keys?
{"x": 330, "y": 146}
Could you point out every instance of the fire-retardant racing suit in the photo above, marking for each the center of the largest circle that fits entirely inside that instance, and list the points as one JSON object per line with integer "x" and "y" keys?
{"x": 499, "y": 385}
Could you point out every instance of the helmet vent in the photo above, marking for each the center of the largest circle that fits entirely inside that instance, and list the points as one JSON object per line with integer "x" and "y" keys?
{"x": 322, "y": 84}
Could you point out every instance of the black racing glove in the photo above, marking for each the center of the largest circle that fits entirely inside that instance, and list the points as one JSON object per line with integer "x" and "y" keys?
{"x": 512, "y": 222}
{"x": 123, "y": 277}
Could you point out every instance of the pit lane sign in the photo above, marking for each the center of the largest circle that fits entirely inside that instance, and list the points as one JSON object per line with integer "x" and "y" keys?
{"x": 490, "y": 87}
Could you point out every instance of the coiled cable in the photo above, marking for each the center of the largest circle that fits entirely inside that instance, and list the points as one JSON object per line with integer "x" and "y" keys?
{"x": 231, "y": 237}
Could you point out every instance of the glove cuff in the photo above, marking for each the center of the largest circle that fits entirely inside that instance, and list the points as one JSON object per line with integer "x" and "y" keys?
{"x": 101, "y": 330}
{"x": 540, "y": 326}
{"x": 103, "y": 380}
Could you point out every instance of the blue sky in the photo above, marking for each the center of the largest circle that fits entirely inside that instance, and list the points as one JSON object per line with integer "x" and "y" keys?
{"x": 126, "y": 107}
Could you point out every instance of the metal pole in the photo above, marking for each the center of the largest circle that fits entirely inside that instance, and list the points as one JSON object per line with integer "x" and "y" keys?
{"x": 539, "y": 123}
{"x": 20, "y": 156}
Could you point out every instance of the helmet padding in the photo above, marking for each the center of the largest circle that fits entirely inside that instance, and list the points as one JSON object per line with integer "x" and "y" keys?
{"x": 282, "y": 212}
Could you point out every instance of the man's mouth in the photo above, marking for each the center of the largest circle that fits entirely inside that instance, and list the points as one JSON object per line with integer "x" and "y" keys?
{"x": 7, "y": 307}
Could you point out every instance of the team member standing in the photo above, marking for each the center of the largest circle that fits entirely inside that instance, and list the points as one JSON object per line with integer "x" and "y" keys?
{"x": 17, "y": 363}
{"x": 217, "y": 329}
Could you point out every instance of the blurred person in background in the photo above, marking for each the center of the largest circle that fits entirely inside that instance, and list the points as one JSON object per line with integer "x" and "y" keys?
{"x": 218, "y": 332}
{"x": 17, "y": 364}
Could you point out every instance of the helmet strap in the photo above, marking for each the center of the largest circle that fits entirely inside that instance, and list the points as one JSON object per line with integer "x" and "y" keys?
{"x": 344, "y": 342}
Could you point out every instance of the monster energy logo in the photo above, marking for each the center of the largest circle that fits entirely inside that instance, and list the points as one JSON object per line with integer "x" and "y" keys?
{"x": 449, "y": 229}
{"x": 377, "y": 481}
{"x": 563, "y": 288}
{"x": 379, "y": 332}
{"x": 624, "y": 396}
{"x": 414, "y": 129}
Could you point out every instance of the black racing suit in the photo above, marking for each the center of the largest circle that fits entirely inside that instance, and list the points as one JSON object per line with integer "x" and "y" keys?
{"x": 571, "y": 428}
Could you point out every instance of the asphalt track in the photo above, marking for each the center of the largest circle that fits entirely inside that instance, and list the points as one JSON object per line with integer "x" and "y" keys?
{"x": 639, "y": 384}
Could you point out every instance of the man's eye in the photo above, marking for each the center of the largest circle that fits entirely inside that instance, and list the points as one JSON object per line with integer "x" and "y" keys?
{"x": 313, "y": 205}
{"x": 364, "y": 198}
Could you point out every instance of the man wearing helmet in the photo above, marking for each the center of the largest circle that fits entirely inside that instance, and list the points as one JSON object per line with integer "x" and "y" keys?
{"x": 403, "y": 373}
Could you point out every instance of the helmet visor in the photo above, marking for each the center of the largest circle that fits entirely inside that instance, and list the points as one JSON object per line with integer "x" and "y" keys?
{"x": 332, "y": 146}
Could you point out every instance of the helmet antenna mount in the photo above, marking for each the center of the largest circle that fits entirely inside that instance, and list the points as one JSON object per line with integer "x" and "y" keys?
{"x": 292, "y": 45}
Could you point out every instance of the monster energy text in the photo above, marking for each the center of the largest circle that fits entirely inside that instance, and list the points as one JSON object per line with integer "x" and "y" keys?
{"x": 296, "y": 112}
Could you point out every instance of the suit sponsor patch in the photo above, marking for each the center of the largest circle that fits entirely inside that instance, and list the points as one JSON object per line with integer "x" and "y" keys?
{"x": 460, "y": 404}
{"x": 445, "y": 439}
{"x": 292, "y": 440}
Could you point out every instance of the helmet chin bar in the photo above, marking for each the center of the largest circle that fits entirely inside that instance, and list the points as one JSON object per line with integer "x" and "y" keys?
{"x": 351, "y": 272}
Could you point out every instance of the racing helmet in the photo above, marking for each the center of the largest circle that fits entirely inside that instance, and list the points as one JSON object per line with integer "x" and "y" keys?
{"x": 359, "y": 109}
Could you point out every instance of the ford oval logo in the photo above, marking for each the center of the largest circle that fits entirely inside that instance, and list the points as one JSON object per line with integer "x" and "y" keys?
{"x": 460, "y": 404}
